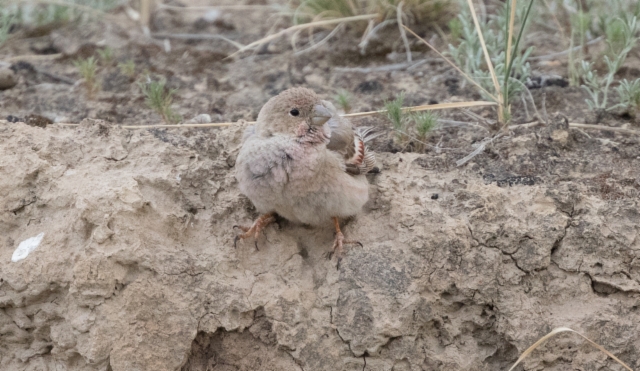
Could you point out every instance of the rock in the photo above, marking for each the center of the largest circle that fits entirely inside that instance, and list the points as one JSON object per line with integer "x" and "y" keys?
{"x": 7, "y": 79}
{"x": 202, "y": 118}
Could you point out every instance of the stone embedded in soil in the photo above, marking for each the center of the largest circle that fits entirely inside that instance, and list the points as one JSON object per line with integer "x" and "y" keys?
{"x": 140, "y": 272}
{"x": 7, "y": 79}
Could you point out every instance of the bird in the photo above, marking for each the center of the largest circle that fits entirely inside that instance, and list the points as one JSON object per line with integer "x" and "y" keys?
{"x": 304, "y": 162}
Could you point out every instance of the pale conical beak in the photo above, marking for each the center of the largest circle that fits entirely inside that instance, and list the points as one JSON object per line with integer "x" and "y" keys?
{"x": 321, "y": 114}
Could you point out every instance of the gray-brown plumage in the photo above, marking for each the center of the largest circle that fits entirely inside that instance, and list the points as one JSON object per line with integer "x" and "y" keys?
{"x": 304, "y": 162}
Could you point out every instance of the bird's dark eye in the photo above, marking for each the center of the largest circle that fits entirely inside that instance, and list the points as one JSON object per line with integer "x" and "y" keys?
{"x": 294, "y": 112}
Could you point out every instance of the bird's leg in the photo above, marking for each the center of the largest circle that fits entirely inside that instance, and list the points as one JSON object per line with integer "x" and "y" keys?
{"x": 340, "y": 241}
{"x": 257, "y": 227}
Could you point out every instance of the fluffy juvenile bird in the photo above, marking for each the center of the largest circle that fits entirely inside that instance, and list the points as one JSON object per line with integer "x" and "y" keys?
{"x": 305, "y": 163}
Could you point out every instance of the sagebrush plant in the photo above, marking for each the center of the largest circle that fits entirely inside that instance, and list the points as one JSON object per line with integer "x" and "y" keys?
{"x": 88, "y": 70}
{"x": 344, "y": 98}
{"x": 40, "y": 13}
{"x": 621, "y": 38}
{"x": 511, "y": 69}
{"x": 629, "y": 93}
{"x": 159, "y": 98}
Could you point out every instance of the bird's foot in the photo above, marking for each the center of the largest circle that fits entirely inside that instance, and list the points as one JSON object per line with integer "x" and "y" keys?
{"x": 255, "y": 229}
{"x": 338, "y": 247}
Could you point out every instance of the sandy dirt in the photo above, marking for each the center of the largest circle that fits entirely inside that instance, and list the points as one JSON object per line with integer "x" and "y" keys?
{"x": 462, "y": 268}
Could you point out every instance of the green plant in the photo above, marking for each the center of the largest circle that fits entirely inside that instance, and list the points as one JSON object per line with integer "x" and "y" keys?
{"x": 128, "y": 68}
{"x": 409, "y": 125}
{"x": 621, "y": 38}
{"x": 629, "y": 93}
{"x": 88, "y": 70}
{"x": 35, "y": 13}
{"x": 580, "y": 25}
{"x": 455, "y": 29}
{"x": 106, "y": 55}
{"x": 425, "y": 122}
{"x": 159, "y": 98}
{"x": 395, "y": 114}
{"x": 344, "y": 98}
{"x": 504, "y": 69}
{"x": 5, "y": 26}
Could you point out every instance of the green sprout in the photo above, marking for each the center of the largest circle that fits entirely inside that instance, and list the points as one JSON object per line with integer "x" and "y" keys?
{"x": 106, "y": 56}
{"x": 159, "y": 98}
{"x": 344, "y": 98}
{"x": 128, "y": 68}
{"x": 395, "y": 114}
{"x": 425, "y": 122}
{"x": 88, "y": 68}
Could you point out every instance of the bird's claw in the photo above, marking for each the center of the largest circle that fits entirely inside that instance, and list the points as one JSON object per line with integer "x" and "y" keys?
{"x": 241, "y": 227}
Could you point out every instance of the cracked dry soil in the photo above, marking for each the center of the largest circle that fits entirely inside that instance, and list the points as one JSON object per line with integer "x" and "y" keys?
{"x": 137, "y": 269}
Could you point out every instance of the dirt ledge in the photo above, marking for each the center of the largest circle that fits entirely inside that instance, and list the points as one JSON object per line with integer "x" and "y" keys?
{"x": 137, "y": 269}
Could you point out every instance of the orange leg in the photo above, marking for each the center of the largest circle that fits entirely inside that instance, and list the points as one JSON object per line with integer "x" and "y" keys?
{"x": 340, "y": 241}
{"x": 254, "y": 231}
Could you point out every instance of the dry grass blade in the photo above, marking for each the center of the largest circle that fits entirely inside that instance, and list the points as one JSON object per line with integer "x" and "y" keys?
{"x": 212, "y": 7}
{"x": 604, "y": 128}
{"x": 452, "y": 64}
{"x": 487, "y": 58}
{"x": 402, "y": 33}
{"x": 302, "y": 27}
{"x": 428, "y": 107}
{"x": 188, "y": 36}
{"x": 512, "y": 20}
{"x": 33, "y": 57}
{"x": 558, "y": 330}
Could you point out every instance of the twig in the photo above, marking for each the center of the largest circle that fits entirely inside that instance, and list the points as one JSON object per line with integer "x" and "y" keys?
{"x": 370, "y": 33}
{"x": 544, "y": 108}
{"x": 427, "y": 107}
{"x": 190, "y": 36}
{"x": 321, "y": 42}
{"x": 555, "y": 331}
{"x": 565, "y": 52}
{"x": 452, "y": 64}
{"x": 386, "y": 68}
{"x": 405, "y": 40}
{"x": 50, "y": 75}
{"x": 481, "y": 146}
{"x": 164, "y": 126}
{"x": 36, "y": 57}
{"x": 605, "y": 128}
{"x": 304, "y": 26}
{"x": 526, "y": 109}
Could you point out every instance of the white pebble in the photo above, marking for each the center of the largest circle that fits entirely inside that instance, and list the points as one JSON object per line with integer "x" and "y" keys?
{"x": 26, "y": 247}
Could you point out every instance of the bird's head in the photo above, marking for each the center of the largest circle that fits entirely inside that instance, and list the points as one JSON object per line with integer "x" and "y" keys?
{"x": 289, "y": 112}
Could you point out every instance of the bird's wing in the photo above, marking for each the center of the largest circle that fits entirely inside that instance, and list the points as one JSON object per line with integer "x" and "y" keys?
{"x": 350, "y": 143}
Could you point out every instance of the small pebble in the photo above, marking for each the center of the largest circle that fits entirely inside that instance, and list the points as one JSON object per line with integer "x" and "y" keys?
{"x": 202, "y": 118}
{"x": 7, "y": 79}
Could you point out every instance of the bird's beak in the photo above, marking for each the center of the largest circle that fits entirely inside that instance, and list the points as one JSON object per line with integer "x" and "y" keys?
{"x": 321, "y": 114}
